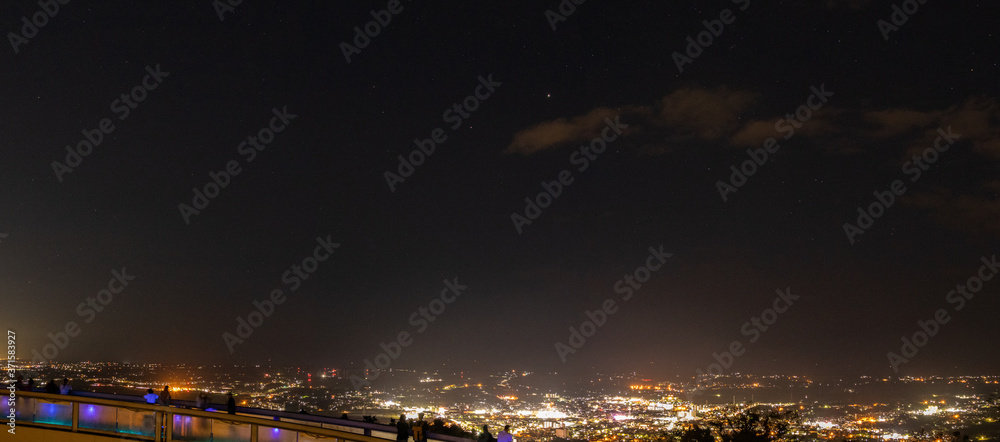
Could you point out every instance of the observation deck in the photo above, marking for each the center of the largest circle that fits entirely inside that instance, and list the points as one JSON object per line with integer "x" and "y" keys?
{"x": 93, "y": 417}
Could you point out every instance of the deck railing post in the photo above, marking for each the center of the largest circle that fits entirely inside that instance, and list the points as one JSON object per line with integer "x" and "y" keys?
{"x": 169, "y": 426}
{"x": 76, "y": 415}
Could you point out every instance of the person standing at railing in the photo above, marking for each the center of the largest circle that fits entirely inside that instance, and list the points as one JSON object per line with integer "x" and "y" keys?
{"x": 402, "y": 429}
{"x": 202, "y": 401}
{"x": 505, "y": 436}
{"x": 420, "y": 429}
{"x": 65, "y": 387}
{"x": 485, "y": 436}
{"x": 165, "y": 396}
{"x": 231, "y": 404}
{"x": 51, "y": 387}
{"x": 150, "y": 396}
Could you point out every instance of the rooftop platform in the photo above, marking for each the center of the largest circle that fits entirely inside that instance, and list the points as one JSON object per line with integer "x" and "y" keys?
{"x": 93, "y": 417}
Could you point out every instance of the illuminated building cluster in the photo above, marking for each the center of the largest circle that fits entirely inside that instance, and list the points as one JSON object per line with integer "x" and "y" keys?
{"x": 601, "y": 408}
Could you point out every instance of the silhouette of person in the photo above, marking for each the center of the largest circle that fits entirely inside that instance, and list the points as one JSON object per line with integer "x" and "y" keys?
{"x": 231, "y": 404}
{"x": 31, "y": 384}
{"x": 51, "y": 387}
{"x": 202, "y": 400}
{"x": 402, "y": 429}
{"x": 485, "y": 436}
{"x": 505, "y": 436}
{"x": 20, "y": 382}
{"x": 420, "y": 429}
{"x": 150, "y": 396}
{"x": 65, "y": 388}
{"x": 165, "y": 396}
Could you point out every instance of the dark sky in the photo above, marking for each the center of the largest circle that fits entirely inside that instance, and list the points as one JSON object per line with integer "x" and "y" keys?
{"x": 62, "y": 235}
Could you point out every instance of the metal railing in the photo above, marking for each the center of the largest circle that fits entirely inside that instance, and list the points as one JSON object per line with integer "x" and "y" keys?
{"x": 140, "y": 421}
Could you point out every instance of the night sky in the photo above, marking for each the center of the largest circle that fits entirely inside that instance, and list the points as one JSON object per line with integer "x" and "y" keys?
{"x": 848, "y": 102}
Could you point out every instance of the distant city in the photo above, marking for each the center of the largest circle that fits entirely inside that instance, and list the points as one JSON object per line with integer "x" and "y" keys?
{"x": 600, "y": 407}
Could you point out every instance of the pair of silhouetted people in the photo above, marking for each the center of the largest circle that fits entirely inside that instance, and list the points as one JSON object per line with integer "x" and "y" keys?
{"x": 25, "y": 386}
{"x": 52, "y": 388}
{"x": 163, "y": 399}
{"x": 504, "y": 435}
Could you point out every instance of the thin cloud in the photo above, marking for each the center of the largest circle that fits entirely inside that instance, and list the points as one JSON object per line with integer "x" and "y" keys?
{"x": 974, "y": 213}
{"x": 894, "y": 122}
{"x": 703, "y": 113}
{"x": 689, "y": 113}
{"x": 559, "y": 131}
